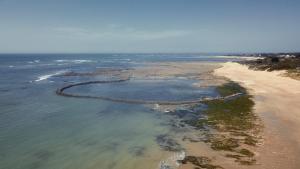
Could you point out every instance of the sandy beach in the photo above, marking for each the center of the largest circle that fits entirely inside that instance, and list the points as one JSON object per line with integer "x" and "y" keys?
{"x": 277, "y": 104}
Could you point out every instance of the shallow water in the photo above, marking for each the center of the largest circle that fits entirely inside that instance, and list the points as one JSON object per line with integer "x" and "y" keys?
{"x": 40, "y": 130}
{"x": 154, "y": 90}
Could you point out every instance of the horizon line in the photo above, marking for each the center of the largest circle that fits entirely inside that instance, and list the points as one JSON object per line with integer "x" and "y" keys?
{"x": 225, "y": 53}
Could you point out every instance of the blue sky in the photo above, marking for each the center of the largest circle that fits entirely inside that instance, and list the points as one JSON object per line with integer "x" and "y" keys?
{"x": 95, "y": 26}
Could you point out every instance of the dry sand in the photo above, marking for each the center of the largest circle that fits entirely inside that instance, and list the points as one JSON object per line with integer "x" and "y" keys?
{"x": 277, "y": 101}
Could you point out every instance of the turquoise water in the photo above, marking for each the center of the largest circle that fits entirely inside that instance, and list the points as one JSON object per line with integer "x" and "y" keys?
{"x": 40, "y": 130}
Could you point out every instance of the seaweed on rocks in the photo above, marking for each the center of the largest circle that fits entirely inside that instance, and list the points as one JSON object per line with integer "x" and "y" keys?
{"x": 230, "y": 88}
{"x": 242, "y": 159}
{"x": 227, "y": 144}
{"x": 201, "y": 161}
{"x": 232, "y": 114}
{"x": 234, "y": 123}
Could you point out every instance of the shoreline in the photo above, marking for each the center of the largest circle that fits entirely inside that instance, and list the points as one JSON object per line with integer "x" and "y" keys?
{"x": 272, "y": 94}
{"x": 276, "y": 103}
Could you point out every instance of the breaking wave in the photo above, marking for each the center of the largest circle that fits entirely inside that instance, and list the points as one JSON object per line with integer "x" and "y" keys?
{"x": 77, "y": 61}
{"x": 45, "y": 77}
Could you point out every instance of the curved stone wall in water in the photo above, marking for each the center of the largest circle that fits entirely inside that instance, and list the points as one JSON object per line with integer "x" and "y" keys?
{"x": 61, "y": 92}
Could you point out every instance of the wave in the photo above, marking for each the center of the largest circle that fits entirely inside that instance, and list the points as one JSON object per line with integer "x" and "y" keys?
{"x": 45, "y": 77}
{"x": 34, "y": 61}
{"x": 77, "y": 61}
{"x": 31, "y": 65}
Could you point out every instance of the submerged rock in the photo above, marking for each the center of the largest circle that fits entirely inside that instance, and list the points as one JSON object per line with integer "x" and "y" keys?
{"x": 43, "y": 154}
{"x": 137, "y": 151}
{"x": 167, "y": 143}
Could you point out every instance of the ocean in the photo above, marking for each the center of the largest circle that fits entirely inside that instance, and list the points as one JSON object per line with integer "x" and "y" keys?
{"x": 42, "y": 130}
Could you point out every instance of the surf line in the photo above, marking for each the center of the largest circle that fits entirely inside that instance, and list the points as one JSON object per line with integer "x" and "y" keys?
{"x": 61, "y": 92}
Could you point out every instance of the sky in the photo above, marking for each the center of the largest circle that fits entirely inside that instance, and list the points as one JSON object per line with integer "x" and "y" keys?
{"x": 149, "y": 26}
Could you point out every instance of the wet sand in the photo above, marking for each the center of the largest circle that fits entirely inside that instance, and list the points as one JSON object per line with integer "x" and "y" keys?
{"x": 277, "y": 103}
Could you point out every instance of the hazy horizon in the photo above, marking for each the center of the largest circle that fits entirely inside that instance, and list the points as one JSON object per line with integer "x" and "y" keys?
{"x": 52, "y": 26}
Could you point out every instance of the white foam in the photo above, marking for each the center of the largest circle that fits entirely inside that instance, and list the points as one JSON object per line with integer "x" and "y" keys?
{"x": 172, "y": 161}
{"x": 123, "y": 59}
{"x": 45, "y": 77}
{"x": 74, "y": 61}
{"x": 35, "y": 61}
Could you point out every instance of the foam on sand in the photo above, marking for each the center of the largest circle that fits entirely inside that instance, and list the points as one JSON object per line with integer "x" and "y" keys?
{"x": 172, "y": 161}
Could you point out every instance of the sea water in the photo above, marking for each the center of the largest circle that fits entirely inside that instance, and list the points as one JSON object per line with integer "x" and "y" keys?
{"x": 41, "y": 130}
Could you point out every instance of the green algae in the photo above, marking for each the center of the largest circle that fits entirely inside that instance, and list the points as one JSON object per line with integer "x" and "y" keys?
{"x": 243, "y": 160}
{"x": 230, "y": 88}
{"x": 246, "y": 152}
{"x": 234, "y": 116}
{"x": 250, "y": 140}
{"x": 244, "y": 157}
{"x": 201, "y": 161}
{"x": 229, "y": 126}
{"x": 227, "y": 144}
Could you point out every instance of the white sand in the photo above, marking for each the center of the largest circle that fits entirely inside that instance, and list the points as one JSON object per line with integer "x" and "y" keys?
{"x": 277, "y": 101}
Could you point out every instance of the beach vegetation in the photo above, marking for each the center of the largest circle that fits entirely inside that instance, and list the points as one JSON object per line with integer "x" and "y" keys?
{"x": 230, "y": 88}
{"x": 275, "y": 62}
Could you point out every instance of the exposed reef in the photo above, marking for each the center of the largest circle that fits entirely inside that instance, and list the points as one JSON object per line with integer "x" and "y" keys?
{"x": 137, "y": 151}
{"x": 228, "y": 126}
{"x": 166, "y": 142}
{"x": 202, "y": 162}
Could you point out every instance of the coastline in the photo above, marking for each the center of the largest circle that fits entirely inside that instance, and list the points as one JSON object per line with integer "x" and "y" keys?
{"x": 276, "y": 103}
{"x": 192, "y": 133}
{"x": 271, "y": 92}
